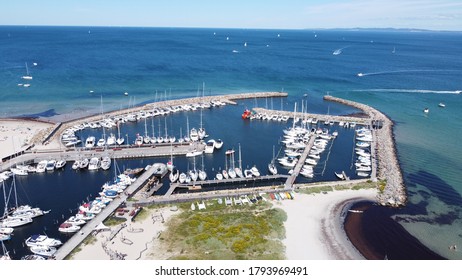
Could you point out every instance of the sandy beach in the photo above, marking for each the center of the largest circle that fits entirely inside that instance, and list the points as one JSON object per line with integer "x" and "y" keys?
{"x": 314, "y": 226}
{"x": 134, "y": 241}
{"x": 17, "y": 134}
{"x": 314, "y": 230}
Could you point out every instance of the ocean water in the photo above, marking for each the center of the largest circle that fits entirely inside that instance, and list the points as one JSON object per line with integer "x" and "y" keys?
{"x": 165, "y": 63}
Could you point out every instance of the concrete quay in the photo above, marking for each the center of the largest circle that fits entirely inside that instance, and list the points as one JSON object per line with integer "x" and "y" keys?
{"x": 384, "y": 153}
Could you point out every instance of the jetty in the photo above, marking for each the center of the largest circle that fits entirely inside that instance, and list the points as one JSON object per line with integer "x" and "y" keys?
{"x": 384, "y": 154}
{"x": 90, "y": 226}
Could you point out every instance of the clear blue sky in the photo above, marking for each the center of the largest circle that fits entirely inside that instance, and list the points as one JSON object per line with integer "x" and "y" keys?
{"x": 287, "y": 14}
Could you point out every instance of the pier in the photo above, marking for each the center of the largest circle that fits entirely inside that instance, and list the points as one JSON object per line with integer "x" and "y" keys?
{"x": 384, "y": 155}
{"x": 298, "y": 167}
{"x": 88, "y": 228}
{"x": 318, "y": 117}
{"x": 211, "y": 183}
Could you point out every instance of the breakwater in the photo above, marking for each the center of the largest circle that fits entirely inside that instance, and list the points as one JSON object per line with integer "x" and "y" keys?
{"x": 392, "y": 191}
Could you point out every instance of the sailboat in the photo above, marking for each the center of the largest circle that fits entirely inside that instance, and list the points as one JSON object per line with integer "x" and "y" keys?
{"x": 146, "y": 139}
{"x": 231, "y": 171}
{"x": 170, "y": 165}
{"x": 120, "y": 140}
{"x": 201, "y": 132}
{"x": 238, "y": 170}
{"x": 17, "y": 217}
{"x": 202, "y": 173}
{"x": 271, "y": 166}
{"x": 27, "y": 76}
{"x": 5, "y": 256}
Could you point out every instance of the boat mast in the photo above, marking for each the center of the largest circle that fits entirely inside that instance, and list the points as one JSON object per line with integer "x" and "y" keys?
{"x": 240, "y": 161}
{"x": 295, "y": 113}
{"x": 5, "y": 213}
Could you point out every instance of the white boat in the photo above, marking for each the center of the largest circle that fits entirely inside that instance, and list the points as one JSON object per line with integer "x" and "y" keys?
{"x": 67, "y": 227}
{"x": 341, "y": 176}
{"x": 224, "y": 172}
{"x": 90, "y": 142}
{"x": 255, "y": 171}
{"x": 42, "y": 240}
{"x": 73, "y": 220}
{"x": 83, "y": 163}
{"x": 194, "y": 153}
{"x": 94, "y": 163}
{"x": 19, "y": 172}
{"x": 139, "y": 140}
{"x": 41, "y": 166}
{"x": 219, "y": 176}
{"x": 362, "y": 174}
{"x": 27, "y": 76}
{"x": 6, "y": 230}
{"x": 120, "y": 140}
{"x": 106, "y": 163}
{"x": 194, "y": 135}
{"x": 247, "y": 173}
{"x": 182, "y": 178}
{"x": 27, "y": 211}
{"x": 426, "y": 110}
{"x": 60, "y": 164}
{"x": 4, "y": 237}
{"x": 218, "y": 144}
{"x": 5, "y": 256}
{"x": 43, "y": 250}
{"x": 12, "y": 222}
{"x": 210, "y": 147}
{"x": 174, "y": 175}
{"x": 51, "y": 164}
{"x": 272, "y": 168}
{"x": 101, "y": 142}
{"x": 442, "y": 105}
{"x": 111, "y": 140}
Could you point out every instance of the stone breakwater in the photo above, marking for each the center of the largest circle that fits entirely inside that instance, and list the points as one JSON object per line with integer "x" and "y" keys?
{"x": 229, "y": 99}
{"x": 393, "y": 192}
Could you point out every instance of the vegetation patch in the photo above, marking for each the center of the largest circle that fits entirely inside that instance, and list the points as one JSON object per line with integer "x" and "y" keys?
{"x": 226, "y": 232}
{"x": 114, "y": 221}
{"x": 314, "y": 190}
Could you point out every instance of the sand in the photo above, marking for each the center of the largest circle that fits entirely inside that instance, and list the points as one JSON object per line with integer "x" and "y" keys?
{"x": 130, "y": 242}
{"x": 314, "y": 226}
{"x": 17, "y": 134}
{"x": 314, "y": 230}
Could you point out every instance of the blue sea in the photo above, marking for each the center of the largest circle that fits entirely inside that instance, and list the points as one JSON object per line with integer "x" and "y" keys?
{"x": 403, "y": 72}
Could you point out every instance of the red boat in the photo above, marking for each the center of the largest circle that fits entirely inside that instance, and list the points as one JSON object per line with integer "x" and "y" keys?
{"x": 246, "y": 114}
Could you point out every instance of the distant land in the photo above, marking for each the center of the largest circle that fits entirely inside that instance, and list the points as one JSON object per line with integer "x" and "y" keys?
{"x": 387, "y": 29}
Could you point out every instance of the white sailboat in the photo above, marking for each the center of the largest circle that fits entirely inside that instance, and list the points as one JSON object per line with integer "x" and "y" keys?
{"x": 27, "y": 76}
{"x": 271, "y": 166}
{"x": 202, "y": 173}
{"x": 120, "y": 140}
{"x": 5, "y": 256}
{"x": 238, "y": 170}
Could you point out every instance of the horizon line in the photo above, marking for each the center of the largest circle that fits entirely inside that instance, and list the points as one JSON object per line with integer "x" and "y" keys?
{"x": 243, "y": 28}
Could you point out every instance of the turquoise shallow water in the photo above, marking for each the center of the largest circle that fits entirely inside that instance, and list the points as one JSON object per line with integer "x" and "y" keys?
{"x": 153, "y": 64}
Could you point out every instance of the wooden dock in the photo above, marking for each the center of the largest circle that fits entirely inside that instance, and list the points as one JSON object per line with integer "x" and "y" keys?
{"x": 88, "y": 228}
{"x": 289, "y": 185}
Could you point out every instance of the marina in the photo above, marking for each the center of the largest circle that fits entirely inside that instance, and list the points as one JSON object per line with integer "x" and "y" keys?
{"x": 198, "y": 190}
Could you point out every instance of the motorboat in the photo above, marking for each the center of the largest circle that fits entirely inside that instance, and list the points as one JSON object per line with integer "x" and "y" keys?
{"x": 182, "y": 178}
{"x": 6, "y": 230}
{"x": 442, "y": 105}
{"x": 218, "y": 144}
{"x": 73, "y": 220}
{"x": 60, "y": 164}
{"x": 90, "y": 142}
{"x": 210, "y": 147}
{"x": 139, "y": 140}
{"x": 426, "y": 110}
{"x": 84, "y": 163}
{"x": 12, "y": 222}
{"x": 194, "y": 135}
{"x": 42, "y": 240}
{"x": 101, "y": 142}
{"x": 106, "y": 163}
{"x": 111, "y": 140}
{"x": 41, "y": 166}
{"x": 51, "y": 164}
{"x": 247, "y": 173}
{"x": 194, "y": 153}
{"x": 19, "y": 172}
{"x": 68, "y": 227}
{"x": 94, "y": 163}
{"x": 41, "y": 250}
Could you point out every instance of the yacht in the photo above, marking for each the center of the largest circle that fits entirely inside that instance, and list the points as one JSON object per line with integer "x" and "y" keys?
{"x": 12, "y": 222}
{"x": 106, "y": 163}
{"x": 84, "y": 163}
{"x": 194, "y": 153}
{"x": 41, "y": 166}
{"x": 43, "y": 250}
{"x": 94, "y": 163}
{"x": 101, "y": 142}
{"x": 67, "y": 227}
{"x": 42, "y": 240}
{"x": 272, "y": 168}
{"x": 194, "y": 135}
{"x": 90, "y": 142}
{"x": 60, "y": 164}
{"x": 210, "y": 147}
{"x": 51, "y": 164}
{"x": 111, "y": 140}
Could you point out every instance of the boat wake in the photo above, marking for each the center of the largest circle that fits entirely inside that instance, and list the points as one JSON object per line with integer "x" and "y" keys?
{"x": 339, "y": 51}
{"x": 401, "y": 71}
{"x": 398, "y": 90}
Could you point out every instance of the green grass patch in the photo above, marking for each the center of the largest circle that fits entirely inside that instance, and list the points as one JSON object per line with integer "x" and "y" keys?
{"x": 314, "y": 190}
{"x": 226, "y": 232}
{"x": 114, "y": 221}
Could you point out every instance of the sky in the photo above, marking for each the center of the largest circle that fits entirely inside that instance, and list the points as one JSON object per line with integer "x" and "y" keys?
{"x": 267, "y": 14}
